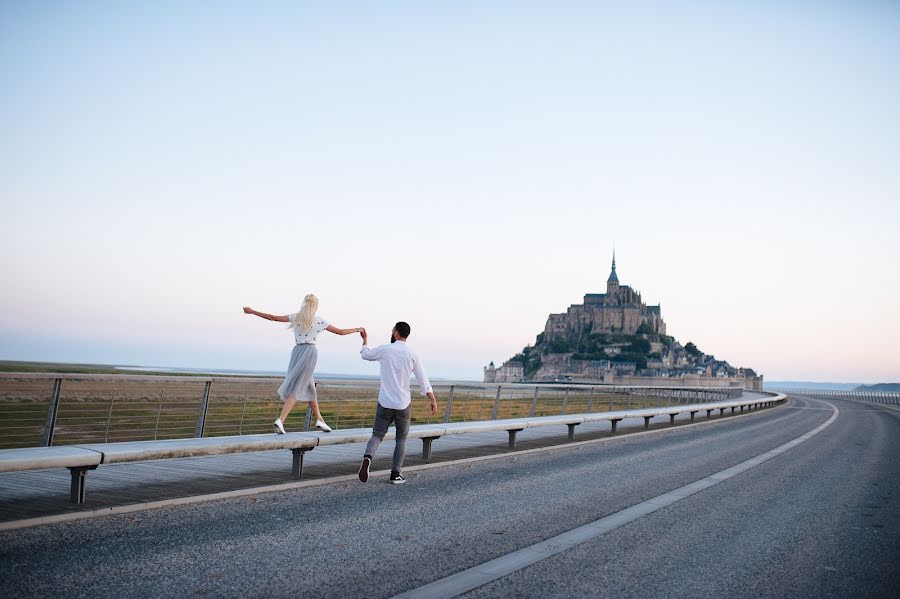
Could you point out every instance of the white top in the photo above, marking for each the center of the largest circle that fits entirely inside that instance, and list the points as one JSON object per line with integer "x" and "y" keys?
{"x": 319, "y": 325}
{"x": 398, "y": 361}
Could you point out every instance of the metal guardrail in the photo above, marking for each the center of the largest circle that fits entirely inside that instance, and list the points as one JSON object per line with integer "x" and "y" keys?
{"x": 67, "y": 409}
{"x": 888, "y": 399}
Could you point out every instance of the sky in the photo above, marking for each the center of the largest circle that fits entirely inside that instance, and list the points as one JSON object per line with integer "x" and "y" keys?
{"x": 465, "y": 166}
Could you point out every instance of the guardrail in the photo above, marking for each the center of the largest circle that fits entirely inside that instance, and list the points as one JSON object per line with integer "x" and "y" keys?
{"x": 68, "y": 409}
{"x": 83, "y": 458}
{"x": 878, "y": 397}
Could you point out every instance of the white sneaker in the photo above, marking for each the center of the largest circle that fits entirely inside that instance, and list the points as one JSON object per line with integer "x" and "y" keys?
{"x": 279, "y": 427}
{"x": 320, "y": 424}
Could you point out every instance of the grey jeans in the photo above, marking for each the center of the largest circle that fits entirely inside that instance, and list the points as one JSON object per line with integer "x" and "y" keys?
{"x": 383, "y": 418}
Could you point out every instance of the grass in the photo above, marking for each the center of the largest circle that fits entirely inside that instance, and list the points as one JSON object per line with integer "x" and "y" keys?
{"x": 98, "y": 411}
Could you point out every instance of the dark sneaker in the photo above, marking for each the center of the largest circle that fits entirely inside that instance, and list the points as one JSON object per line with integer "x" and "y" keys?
{"x": 397, "y": 478}
{"x": 364, "y": 469}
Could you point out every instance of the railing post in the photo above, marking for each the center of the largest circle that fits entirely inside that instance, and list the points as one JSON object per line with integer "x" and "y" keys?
{"x": 109, "y": 416}
{"x": 533, "y": 410}
{"x": 565, "y": 401}
{"x": 496, "y": 403}
{"x": 158, "y": 414}
{"x": 204, "y": 404}
{"x": 50, "y": 425}
{"x": 590, "y": 399}
{"x": 308, "y": 419}
{"x": 449, "y": 404}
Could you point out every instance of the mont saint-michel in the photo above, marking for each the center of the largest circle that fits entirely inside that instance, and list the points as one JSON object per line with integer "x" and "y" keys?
{"x": 616, "y": 338}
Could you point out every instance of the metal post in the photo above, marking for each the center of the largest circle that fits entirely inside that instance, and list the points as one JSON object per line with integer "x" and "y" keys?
{"x": 308, "y": 419}
{"x": 243, "y": 409}
{"x": 426, "y": 447}
{"x": 449, "y": 404}
{"x": 109, "y": 416}
{"x": 590, "y": 399}
{"x": 572, "y": 431}
{"x": 565, "y": 401}
{"x": 158, "y": 413}
{"x": 76, "y": 490}
{"x": 512, "y": 437}
{"x": 204, "y": 405}
{"x": 297, "y": 465}
{"x": 496, "y": 403}
{"x": 50, "y": 425}
{"x": 534, "y": 403}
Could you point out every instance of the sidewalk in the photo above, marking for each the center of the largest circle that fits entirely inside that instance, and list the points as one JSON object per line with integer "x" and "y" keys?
{"x": 33, "y": 494}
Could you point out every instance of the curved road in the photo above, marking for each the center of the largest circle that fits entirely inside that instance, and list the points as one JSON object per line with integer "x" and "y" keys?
{"x": 821, "y": 519}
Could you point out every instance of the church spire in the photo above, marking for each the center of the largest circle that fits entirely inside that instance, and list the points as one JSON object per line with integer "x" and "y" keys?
{"x": 613, "y": 278}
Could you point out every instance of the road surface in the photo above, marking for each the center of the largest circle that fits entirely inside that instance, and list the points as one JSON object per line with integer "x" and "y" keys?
{"x": 820, "y": 520}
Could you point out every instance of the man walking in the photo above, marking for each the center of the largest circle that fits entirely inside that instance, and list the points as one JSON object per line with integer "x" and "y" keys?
{"x": 398, "y": 361}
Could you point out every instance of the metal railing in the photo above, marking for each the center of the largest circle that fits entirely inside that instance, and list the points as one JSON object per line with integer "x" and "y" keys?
{"x": 48, "y": 409}
{"x": 879, "y": 397}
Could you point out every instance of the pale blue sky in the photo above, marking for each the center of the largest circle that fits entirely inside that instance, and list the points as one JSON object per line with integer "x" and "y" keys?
{"x": 465, "y": 166}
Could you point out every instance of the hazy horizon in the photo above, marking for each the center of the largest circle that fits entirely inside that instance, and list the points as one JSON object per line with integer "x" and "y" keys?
{"x": 467, "y": 168}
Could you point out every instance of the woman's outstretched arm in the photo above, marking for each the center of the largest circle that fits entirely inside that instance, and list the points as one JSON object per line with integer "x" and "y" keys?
{"x": 266, "y": 316}
{"x": 337, "y": 331}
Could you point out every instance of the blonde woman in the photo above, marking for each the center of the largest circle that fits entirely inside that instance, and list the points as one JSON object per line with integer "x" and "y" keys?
{"x": 299, "y": 382}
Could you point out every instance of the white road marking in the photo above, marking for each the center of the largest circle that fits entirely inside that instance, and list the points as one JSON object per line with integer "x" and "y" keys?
{"x": 472, "y": 578}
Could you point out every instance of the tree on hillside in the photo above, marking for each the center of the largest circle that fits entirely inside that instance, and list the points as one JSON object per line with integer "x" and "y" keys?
{"x": 692, "y": 349}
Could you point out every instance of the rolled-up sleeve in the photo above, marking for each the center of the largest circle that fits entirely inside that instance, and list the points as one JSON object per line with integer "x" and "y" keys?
{"x": 421, "y": 377}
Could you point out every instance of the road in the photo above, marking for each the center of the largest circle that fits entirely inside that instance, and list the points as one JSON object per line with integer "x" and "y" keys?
{"x": 820, "y": 520}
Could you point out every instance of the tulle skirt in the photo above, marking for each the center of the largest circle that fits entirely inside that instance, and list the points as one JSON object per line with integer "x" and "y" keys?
{"x": 299, "y": 381}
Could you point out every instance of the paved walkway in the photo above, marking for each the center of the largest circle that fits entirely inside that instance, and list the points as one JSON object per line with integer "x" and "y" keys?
{"x": 46, "y": 492}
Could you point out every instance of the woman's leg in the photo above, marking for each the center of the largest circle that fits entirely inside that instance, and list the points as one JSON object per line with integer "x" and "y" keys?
{"x": 314, "y": 404}
{"x": 289, "y": 402}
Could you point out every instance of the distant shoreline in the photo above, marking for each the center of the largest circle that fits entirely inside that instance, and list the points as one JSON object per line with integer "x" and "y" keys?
{"x": 16, "y": 366}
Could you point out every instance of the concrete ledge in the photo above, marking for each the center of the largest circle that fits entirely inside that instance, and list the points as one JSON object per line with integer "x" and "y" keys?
{"x": 136, "y": 451}
{"x": 36, "y": 458}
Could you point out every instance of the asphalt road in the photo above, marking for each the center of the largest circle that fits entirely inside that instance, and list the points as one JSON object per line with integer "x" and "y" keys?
{"x": 822, "y": 520}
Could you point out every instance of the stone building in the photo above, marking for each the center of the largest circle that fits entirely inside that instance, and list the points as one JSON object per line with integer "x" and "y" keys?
{"x": 619, "y": 310}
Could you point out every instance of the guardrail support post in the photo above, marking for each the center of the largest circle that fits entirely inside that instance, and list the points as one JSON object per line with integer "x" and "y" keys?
{"x": 614, "y": 422}
{"x": 732, "y": 409}
{"x": 76, "y": 491}
{"x": 572, "y": 431}
{"x": 692, "y": 415}
{"x": 671, "y": 418}
{"x": 297, "y": 465}
{"x": 721, "y": 411}
{"x": 647, "y": 421}
{"x": 50, "y": 425}
{"x": 426, "y": 447}
{"x": 709, "y": 413}
{"x": 449, "y": 404}
{"x": 496, "y": 403}
{"x": 512, "y": 437}
{"x": 204, "y": 405}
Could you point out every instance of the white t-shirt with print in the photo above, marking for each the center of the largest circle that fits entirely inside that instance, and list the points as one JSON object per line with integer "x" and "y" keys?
{"x": 319, "y": 325}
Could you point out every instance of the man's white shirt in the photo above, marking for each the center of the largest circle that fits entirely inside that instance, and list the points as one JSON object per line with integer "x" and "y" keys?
{"x": 398, "y": 362}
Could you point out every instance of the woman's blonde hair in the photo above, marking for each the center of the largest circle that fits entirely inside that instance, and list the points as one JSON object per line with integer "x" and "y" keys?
{"x": 305, "y": 318}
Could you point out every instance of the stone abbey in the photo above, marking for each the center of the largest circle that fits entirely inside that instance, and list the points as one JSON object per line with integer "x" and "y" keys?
{"x": 616, "y": 338}
{"x": 619, "y": 310}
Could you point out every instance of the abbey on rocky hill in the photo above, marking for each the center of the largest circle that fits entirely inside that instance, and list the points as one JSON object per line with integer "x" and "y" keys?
{"x": 616, "y": 338}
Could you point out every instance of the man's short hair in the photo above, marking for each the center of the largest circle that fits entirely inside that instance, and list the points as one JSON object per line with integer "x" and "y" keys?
{"x": 402, "y": 329}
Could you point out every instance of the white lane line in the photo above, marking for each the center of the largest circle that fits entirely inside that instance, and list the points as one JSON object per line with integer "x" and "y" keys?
{"x": 467, "y": 580}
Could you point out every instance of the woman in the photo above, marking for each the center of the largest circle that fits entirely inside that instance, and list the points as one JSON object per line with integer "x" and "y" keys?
{"x": 299, "y": 382}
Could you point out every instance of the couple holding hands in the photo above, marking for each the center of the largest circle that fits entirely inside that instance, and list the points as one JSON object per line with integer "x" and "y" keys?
{"x": 398, "y": 362}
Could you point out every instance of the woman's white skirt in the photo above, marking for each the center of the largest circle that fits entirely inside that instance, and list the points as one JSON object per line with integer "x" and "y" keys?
{"x": 299, "y": 381}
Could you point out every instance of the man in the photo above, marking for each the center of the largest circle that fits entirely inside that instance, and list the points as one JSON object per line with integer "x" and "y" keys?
{"x": 398, "y": 361}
